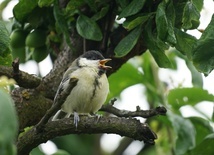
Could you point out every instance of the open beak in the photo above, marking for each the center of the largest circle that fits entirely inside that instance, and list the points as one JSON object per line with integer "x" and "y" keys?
{"x": 103, "y": 62}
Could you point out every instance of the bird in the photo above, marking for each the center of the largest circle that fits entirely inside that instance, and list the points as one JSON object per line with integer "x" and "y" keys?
{"x": 89, "y": 89}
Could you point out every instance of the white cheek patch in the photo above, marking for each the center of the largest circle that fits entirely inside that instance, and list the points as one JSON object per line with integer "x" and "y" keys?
{"x": 89, "y": 63}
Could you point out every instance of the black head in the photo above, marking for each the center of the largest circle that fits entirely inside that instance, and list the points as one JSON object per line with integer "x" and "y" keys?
{"x": 93, "y": 55}
{"x": 93, "y": 59}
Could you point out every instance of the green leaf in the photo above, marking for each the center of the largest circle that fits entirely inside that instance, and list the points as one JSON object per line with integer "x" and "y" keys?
{"x": 23, "y": 8}
{"x": 173, "y": 59}
{"x": 170, "y": 14}
{"x": 45, "y": 3}
{"x": 134, "y": 7}
{"x": 88, "y": 28}
{"x": 198, "y": 4}
{"x": 160, "y": 57}
{"x": 151, "y": 80}
{"x": 188, "y": 96}
{"x": 197, "y": 79}
{"x": 6, "y": 59}
{"x": 205, "y": 147}
{"x": 36, "y": 17}
{"x": 165, "y": 18}
{"x": 131, "y": 23}
{"x": 4, "y": 39}
{"x": 156, "y": 47}
{"x": 185, "y": 43}
{"x": 62, "y": 23}
{"x": 72, "y": 142}
{"x": 161, "y": 21}
{"x": 191, "y": 16}
{"x": 185, "y": 133}
{"x": 73, "y": 6}
{"x": 101, "y": 13}
{"x": 202, "y": 128}
{"x": 122, "y": 3}
{"x": 126, "y": 76}
{"x": 92, "y": 4}
{"x": 127, "y": 43}
{"x": 61, "y": 152}
{"x": 203, "y": 55}
{"x": 213, "y": 115}
{"x": 9, "y": 123}
{"x": 5, "y": 53}
{"x": 36, "y": 151}
{"x": 179, "y": 5}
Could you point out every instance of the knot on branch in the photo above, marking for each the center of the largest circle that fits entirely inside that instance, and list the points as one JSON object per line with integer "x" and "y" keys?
{"x": 161, "y": 110}
{"x": 23, "y": 79}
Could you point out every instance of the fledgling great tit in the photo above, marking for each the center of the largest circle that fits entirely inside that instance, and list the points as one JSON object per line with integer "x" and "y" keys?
{"x": 90, "y": 89}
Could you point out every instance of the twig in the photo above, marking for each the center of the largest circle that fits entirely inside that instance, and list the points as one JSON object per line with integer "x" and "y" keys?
{"x": 15, "y": 65}
{"x": 138, "y": 113}
{"x": 23, "y": 79}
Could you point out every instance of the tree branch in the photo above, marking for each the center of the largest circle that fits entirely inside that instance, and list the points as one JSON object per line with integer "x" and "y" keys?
{"x": 88, "y": 125}
{"x": 30, "y": 106}
{"x": 23, "y": 79}
{"x": 138, "y": 113}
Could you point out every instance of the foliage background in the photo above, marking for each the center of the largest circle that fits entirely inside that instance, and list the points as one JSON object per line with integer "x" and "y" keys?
{"x": 176, "y": 134}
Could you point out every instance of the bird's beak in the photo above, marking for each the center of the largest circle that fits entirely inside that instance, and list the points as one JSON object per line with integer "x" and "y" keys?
{"x": 103, "y": 62}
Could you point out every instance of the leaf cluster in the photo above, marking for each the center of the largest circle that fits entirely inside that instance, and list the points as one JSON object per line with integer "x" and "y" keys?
{"x": 159, "y": 24}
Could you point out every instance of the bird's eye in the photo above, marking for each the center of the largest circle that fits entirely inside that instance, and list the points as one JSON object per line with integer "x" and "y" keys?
{"x": 93, "y": 58}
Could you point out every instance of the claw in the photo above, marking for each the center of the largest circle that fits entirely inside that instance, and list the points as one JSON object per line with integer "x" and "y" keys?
{"x": 98, "y": 116}
{"x": 76, "y": 119}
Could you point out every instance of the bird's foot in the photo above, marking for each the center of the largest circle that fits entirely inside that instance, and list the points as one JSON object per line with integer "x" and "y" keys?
{"x": 76, "y": 119}
{"x": 97, "y": 116}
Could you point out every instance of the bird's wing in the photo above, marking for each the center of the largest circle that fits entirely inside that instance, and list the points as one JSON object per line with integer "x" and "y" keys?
{"x": 71, "y": 69}
{"x": 64, "y": 89}
{"x": 67, "y": 80}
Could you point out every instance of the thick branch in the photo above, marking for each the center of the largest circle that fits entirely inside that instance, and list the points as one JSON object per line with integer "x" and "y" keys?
{"x": 88, "y": 125}
{"x": 30, "y": 106}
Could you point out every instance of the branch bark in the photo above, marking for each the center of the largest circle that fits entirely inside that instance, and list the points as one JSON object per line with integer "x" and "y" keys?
{"x": 30, "y": 106}
{"x": 132, "y": 128}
